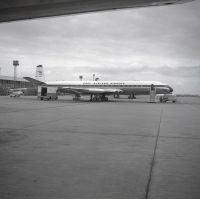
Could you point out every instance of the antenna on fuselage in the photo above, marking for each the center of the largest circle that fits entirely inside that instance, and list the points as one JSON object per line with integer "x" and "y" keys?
{"x": 81, "y": 77}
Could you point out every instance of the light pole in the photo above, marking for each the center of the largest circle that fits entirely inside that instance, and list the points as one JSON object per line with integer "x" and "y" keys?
{"x": 81, "y": 77}
{"x": 15, "y": 64}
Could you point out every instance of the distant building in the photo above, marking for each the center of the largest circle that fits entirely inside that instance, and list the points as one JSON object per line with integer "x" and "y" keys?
{"x": 7, "y": 82}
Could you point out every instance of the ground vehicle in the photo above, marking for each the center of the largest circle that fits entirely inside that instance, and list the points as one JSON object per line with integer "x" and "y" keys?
{"x": 16, "y": 94}
{"x": 163, "y": 98}
{"x": 47, "y": 93}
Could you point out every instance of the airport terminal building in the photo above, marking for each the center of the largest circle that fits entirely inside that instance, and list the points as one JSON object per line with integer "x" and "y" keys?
{"x": 8, "y": 82}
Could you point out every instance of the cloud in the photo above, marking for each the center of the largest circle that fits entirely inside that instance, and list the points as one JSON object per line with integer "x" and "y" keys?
{"x": 185, "y": 71}
{"x": 147, "y": 43}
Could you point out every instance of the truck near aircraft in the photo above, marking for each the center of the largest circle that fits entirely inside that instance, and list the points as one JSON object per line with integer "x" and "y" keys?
{"x": 47, "y": 93}
{"x": 163, "y": 98}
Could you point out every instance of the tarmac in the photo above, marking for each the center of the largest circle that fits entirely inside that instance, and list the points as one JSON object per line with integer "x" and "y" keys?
{"x": 120, "y": 149}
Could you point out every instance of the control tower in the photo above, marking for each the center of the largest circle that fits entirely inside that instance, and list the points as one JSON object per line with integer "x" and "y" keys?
{"x": 39, "y": 75}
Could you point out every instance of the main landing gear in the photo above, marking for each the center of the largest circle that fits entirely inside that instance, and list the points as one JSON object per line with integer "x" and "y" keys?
{"x": 77, "y": 98}
{"x": 131, "y": 96}
{"x": 116, "y": 95}
{"x": 98, "y": 98}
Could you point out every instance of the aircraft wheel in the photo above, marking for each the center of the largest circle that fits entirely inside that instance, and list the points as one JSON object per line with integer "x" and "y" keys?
{"x": 94, "y": 99}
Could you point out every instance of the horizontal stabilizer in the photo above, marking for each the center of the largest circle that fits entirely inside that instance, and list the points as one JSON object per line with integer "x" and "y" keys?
{"x": 34, "y": 81}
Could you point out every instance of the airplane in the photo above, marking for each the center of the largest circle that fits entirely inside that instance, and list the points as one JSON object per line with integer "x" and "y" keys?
{"x": 98, "y": 90}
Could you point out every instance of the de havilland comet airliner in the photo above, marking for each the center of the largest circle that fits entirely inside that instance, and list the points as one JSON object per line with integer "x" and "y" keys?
{"x": 98, "y": 90}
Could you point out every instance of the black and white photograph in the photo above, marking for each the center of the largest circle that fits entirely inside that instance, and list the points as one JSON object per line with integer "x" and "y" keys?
{"x": 99, "y": 99}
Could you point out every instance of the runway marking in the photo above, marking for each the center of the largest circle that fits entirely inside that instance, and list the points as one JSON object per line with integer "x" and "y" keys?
{"x": 153, "y": 159}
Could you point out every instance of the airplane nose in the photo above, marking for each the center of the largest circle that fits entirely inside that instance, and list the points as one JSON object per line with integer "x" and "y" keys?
{"x": 170, "y": 89}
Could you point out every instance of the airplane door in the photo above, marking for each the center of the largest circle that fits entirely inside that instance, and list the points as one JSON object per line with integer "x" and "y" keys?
{"x": 44, "y": 91}
{"x": 152, "y": 93}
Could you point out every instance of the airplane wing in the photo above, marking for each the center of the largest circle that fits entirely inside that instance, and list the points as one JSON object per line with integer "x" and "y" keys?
{"x": 21, "y": 9}
{"x": 75, "y": 90}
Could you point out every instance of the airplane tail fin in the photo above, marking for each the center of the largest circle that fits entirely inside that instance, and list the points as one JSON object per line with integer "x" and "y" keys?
{"x": 39, "y": 76}
{"x": 34, "y": 81}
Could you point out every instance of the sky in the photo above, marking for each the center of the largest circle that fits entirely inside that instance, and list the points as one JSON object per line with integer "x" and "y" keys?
{"x": 153, "y": 43}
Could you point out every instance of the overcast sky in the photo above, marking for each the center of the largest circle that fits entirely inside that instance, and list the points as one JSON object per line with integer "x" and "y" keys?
{"x": 154, "y": 43}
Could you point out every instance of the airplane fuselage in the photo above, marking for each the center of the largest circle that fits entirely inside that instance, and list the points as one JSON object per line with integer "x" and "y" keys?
{"x": 124, "y": 87}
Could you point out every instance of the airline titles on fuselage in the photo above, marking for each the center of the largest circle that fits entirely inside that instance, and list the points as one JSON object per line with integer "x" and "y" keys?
{"x": 103, "y": 83}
